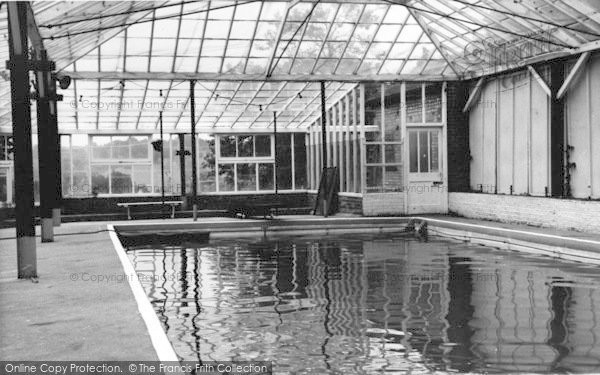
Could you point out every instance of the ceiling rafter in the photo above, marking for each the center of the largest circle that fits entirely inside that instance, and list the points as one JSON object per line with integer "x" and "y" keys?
{"x": 122, "y": 89}
{"x": 362, "y": 11}
{"x": 289, "y": 6}
{"x": 389, "y": 51}
{"x": 329, "y": 28}
{"x": 372, "y": 39}
{"x": 151, "y": 44}
{"x": 173, "y": 64}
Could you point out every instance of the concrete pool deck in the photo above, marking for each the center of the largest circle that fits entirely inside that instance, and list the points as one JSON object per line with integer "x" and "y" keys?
{"x": 66, "y": 317}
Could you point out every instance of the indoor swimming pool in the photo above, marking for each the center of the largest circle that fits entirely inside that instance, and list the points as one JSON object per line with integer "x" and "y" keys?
{"x": 373, "y": 304}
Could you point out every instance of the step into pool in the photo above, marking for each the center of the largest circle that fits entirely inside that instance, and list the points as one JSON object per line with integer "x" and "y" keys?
{"x": 371, "y": 304}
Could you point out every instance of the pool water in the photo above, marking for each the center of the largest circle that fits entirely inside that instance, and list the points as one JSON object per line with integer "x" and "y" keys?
{"x": 369, "y": 305}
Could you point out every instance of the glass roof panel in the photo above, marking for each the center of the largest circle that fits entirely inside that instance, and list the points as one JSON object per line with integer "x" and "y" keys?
{"x": 139, "y": 43}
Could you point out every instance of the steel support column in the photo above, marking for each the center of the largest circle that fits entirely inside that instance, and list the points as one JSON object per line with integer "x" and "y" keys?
{"x": 23, "y": 159}
{"x": 557, "y": 132}
{"x": 182, "y": 168}
{"x": 324, "y": 145}
{"x": 56, "y": 157}
{"x": 194, "y": 170}
{"x": 46, "y": 154}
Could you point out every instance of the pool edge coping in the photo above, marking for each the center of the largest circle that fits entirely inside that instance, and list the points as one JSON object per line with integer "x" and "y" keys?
{"x": 552, "y": 245}
{"x": 160, "y": 341}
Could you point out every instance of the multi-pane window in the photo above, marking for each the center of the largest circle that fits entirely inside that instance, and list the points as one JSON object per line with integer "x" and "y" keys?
{"x": 383, "y": 158}
{"x": 5, "y": 147}
{"x": 246, "y": 163}
{"x": 121, "y": 165}
{"x": 424, "y": 103}
{"x": 424, "y": 150}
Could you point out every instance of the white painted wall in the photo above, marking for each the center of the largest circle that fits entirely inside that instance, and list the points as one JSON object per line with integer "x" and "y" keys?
{"x": 509, "y": 136}
{"x": 509, "y": 130}
{"x": 583, "y": 130}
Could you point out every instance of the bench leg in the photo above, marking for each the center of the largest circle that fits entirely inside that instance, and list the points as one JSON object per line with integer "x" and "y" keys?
{"x": 172, "y": 211}
{"x": 128, "y": 214}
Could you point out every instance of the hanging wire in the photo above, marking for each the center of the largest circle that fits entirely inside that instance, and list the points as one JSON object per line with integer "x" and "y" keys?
{"x": 177, "y": 15}
{"x": 259, "y": 105}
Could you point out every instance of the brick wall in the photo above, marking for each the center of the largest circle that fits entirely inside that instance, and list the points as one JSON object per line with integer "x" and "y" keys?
{"x": 222, "y": 202}
{"x": 350, "y": 204}
{"x": 569, "y": 214}
{"x": 458, "y": 137}
{"x": 381, "y": 204}
{"x": 77, "y": 206}
{"x": 347, "y": 204}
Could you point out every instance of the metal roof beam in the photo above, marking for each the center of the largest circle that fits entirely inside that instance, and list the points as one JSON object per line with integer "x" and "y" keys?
{"x": 235, "y": 77}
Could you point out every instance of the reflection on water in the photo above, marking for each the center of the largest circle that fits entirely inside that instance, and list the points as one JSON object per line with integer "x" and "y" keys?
{"x": 371, "y": 305}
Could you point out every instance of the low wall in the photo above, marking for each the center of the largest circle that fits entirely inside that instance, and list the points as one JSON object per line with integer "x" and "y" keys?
{"x": 223, "y": 202}
{"x": 348, "y": 203}
{"x": 569, "y": 214}
{"x": 107, "y": 205}
{"x": 380, "y": 204}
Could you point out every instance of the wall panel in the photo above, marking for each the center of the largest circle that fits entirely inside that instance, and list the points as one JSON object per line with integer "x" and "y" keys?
{"x": 488, "y": 99}
{"x": 521, "y": 125}
{"x": 506, "y": 107}
{"x": 539, "y": 140}
{"x": 595, "y": 121}
{"x": 476, "y": 145}
{"x": 579, "y": 130}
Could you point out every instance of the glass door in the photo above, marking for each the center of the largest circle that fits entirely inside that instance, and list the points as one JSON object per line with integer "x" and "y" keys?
{"x": 426, "y": 189}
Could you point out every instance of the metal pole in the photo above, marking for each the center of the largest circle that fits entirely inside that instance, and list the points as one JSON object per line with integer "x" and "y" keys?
{"x": 23, "y": 159}
{"x": 194, "y": 172}
{"x": 55, "y": 136}
{"x": 324, "y": 146}
{"x": 46, "y": 144}
{"x": 182, "y": 167}
{"x": 275, "y": 140}
{"x": 162, "y": 155}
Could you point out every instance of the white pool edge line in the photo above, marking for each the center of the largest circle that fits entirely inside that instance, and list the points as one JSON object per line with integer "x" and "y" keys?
{"x": 162, "y": 346}
{"x": 508, "y": 230}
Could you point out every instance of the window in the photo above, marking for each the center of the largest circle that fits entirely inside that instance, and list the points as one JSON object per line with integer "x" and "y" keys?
{"x": 424, "y": 151}
{"x": 246, "y": 163}
{"x": 284, "y": 161}
{"x": 228, "y": 146}
{"x": 6, "y": 144}
{"x": 372, "y": 104}
{"x": 424, "y": 103}
{"x": 120, "y": 164}
{"x": 300, "y": 162}
{"x": 414, "y": 103}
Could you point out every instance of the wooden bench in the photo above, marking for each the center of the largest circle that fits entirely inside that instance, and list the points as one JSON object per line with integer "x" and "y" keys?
{"x": 128, "y": 206}
{"x": 246, "y": 210}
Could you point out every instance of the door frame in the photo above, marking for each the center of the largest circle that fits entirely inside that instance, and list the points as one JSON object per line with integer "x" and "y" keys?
{"x": 443, "y": 148}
